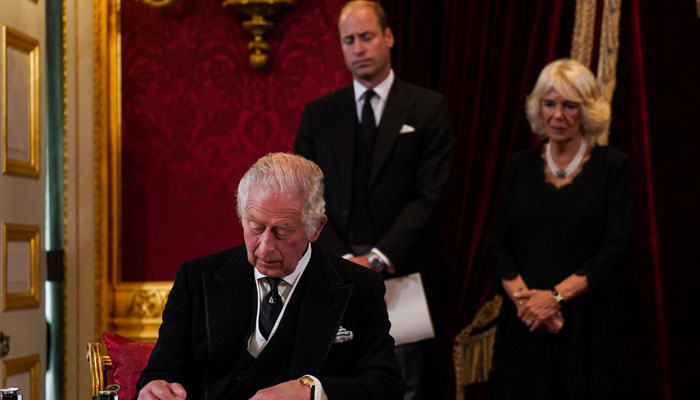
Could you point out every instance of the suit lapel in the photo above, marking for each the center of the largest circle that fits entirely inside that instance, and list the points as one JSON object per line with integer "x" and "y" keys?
{"x": 229, "y": 305}
{"x": 325, "y": 297}
{"x": 395, "y": 114}
{"x": 345, "y": 116}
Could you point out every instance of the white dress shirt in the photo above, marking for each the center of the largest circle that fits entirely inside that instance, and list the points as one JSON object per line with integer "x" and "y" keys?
{"x": 286, "y": 288}
{"x": 378, "y": 102}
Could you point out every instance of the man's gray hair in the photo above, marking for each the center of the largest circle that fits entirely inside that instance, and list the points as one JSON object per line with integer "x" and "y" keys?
{"x": 290, "y": 175}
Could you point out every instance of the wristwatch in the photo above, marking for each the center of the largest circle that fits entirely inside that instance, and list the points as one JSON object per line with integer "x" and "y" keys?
{"x": 308, "y": 381}
{"x": 558, "y": 297}
{"x": 375, "y": 262}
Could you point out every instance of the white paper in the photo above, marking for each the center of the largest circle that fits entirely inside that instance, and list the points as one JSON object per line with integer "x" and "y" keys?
{"x": 408, "y": 309}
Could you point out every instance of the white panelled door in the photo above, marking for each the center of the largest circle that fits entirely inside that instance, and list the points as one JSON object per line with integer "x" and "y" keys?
{"x": 22, "y": 196}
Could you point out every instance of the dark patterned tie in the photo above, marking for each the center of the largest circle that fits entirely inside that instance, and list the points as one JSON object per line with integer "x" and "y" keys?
{"x": 369, "y": 124}
{"x": 270, "y": 307}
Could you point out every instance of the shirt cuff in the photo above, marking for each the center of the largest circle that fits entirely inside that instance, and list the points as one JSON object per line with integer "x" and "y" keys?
{"x": 319, "y": 393}
{"x": 347, "y": 256}
{"x": 389, "y": 266}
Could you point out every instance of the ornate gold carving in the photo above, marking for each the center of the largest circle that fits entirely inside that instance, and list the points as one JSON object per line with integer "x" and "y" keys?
{"x": 607, "y": 55}
{"x": 147, "y": 303}
{"x": 138, "y": 308}
{"x": 258, "y": 25}
{"x": 10, "y": 38}
{"x": 584, "y": 29}
{"x": 21, "y": 233}
{"x": 21, "y": 365}
{"x": 472, "y": 354}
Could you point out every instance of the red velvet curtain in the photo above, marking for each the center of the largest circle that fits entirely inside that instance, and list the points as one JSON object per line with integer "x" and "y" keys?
{"x": 485, "y": 57}
{"x": 655, "y": 109}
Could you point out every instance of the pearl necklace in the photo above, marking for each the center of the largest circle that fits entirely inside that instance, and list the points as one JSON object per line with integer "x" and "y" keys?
{"x": 573, "y": 165}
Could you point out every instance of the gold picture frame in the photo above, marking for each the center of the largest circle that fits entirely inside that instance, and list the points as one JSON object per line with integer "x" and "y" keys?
{"x": 21, "y": 233}
{"x": 30, "y": 364}
{"x": 14, "y": 39}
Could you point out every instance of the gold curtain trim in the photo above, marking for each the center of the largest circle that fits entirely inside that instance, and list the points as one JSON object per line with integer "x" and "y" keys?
{"x": 584, "y": 31}
{"x": 472, "y": 354}
{"x": 607, "y": 55}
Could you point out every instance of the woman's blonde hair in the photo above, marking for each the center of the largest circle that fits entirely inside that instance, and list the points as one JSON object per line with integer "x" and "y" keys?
{"x": 576, "y": 83}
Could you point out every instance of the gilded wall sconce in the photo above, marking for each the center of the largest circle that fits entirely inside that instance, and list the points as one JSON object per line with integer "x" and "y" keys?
{"x": 259, "y": 14}
{"x": 158, "y": 3}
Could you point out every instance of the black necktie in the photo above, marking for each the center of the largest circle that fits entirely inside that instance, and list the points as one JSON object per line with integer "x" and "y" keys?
{"x": 368, "y": 122}
{"x": 270, "y": 307}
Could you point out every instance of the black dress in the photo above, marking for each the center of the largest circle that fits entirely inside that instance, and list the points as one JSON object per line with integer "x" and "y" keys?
{"x": 546, "y": 234}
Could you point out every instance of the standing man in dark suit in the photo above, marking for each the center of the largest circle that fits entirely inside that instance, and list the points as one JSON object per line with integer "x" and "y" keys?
{"x": 385, "y": 148}
{"x": 278, "y": 318}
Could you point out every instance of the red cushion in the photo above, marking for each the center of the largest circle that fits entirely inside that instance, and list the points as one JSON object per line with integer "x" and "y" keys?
{"x": 129, "y": 358}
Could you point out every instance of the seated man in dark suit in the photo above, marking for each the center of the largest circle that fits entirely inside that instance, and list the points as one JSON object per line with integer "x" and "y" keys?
{"x": 278, "y": 318}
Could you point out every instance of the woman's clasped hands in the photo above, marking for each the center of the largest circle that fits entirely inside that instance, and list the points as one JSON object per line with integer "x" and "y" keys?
{"x": 539, "y": 310}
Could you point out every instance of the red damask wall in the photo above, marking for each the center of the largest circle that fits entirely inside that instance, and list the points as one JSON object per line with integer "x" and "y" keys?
{"x": 195, "y": 116}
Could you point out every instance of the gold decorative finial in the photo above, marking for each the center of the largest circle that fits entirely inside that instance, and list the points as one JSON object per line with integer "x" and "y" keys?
{"x": 259, "y": 13}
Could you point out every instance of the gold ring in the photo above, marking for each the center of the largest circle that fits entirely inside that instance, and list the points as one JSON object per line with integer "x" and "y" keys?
{"x": 164, "y": 383}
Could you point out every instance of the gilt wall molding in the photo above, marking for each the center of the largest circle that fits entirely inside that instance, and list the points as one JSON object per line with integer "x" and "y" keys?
{"x": 138, "y": 308}
{"x": 131, "y": 309}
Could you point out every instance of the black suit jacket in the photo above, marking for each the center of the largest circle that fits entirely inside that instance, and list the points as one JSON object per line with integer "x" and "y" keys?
{"x": 408, "y": 172}
{"x": 210, "y": 315}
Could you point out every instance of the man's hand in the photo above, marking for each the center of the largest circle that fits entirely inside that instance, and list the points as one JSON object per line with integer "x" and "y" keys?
{"x": 162, "y": 390}
{"x": 361, "y": 260}
{"x": 290, "y": 390}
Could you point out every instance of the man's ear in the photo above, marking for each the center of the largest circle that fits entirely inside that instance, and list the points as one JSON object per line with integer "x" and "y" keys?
{"x": 389, "y": 35}
{"x": 321, "y": 223}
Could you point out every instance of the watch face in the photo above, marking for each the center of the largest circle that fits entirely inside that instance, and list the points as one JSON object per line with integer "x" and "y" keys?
{"x": 307, "y": 381}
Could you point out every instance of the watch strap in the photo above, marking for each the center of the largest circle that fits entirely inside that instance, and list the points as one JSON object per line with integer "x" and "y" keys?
{"x": 557, "y": 296}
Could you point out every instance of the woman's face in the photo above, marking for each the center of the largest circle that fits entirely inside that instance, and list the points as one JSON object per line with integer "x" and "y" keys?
{"x": 562, "y": 117}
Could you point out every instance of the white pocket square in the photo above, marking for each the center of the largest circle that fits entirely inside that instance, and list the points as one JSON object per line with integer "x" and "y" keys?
{"x": 406, "y": 129}
{"x": 343, "y": 335}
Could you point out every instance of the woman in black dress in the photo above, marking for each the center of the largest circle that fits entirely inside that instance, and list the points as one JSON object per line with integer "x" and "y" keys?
{"x": 559, "y": 238}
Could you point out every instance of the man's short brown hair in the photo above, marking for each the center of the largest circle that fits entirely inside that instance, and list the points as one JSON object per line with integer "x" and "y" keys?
{"x": 374, "y": 5}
